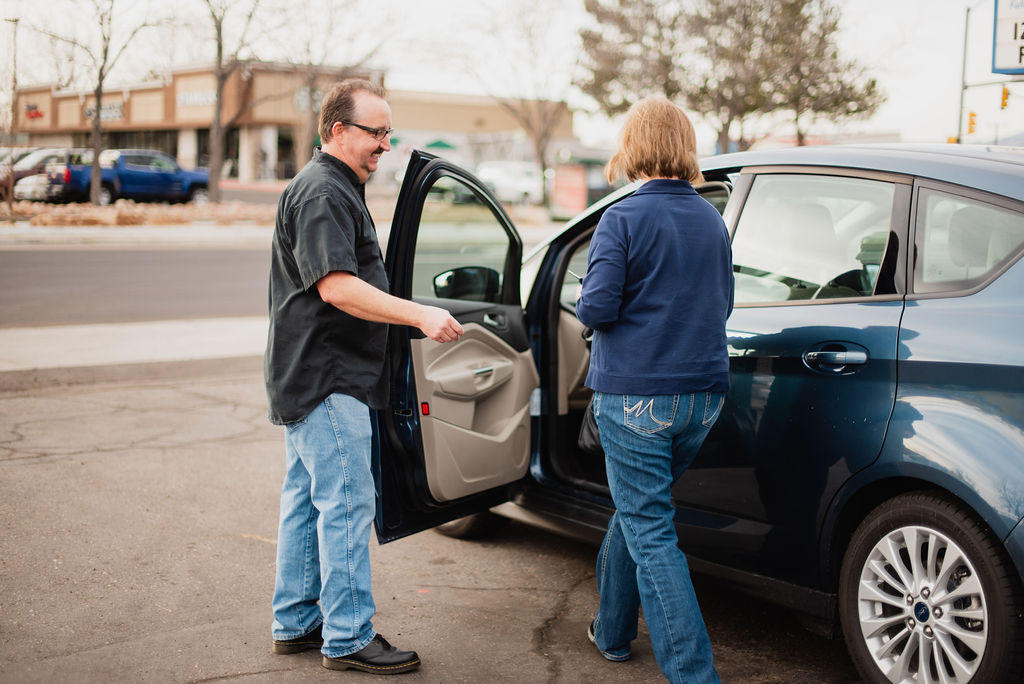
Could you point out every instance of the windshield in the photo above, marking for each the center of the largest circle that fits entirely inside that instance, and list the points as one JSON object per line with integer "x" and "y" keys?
{"x": 32, "y": 159}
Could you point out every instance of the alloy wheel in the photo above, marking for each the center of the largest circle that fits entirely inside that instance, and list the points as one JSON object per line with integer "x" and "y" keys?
{"x": 922, "y": 608}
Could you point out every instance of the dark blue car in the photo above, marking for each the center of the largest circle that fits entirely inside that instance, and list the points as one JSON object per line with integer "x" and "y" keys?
{"x": 868, "y": 467}
{"x": 143, "y": 175}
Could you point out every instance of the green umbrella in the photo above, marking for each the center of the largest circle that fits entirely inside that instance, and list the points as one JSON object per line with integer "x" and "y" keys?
{"x": 440, "y": 144}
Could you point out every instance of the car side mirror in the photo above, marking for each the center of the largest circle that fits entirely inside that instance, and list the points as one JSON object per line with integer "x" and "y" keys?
{"x": 473, "y": 283}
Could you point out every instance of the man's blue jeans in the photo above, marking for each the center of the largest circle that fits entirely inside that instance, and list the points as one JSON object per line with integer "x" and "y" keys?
{"x": 323, "y": 543}
{"x": 648, "y": 442}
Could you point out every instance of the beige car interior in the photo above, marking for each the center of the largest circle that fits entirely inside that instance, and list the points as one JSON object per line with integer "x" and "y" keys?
{"x": 573, "y": 363}
{"x": 477, "y": 434}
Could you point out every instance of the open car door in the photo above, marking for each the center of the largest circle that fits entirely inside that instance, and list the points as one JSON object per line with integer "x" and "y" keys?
{"x": 456, "y": 437}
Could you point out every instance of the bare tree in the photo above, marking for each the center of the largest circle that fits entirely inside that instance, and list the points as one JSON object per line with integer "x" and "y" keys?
{"x": 229, "y": 58}
{"x": 323, "y": 46}
{"x": 537, "y": 58}
{"x": 101, "y": 44}
{"x": 809, "y": 77}
{"x": 9, "y": 162}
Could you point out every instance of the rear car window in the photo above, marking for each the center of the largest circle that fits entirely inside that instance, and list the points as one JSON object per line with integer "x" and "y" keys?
{"x": 962, "y": 241}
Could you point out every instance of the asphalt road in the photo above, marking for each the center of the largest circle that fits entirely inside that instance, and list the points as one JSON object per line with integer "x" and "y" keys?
{"x": 76, "y": 286}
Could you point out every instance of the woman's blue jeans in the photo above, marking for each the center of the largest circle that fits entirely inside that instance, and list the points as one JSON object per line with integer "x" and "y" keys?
{"x": 323, "y": 542}
{"x": 648, "y": 442}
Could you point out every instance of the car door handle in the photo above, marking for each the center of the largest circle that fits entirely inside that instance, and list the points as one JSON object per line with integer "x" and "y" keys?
{"x": 835, "y": 358}
{"x": 460, "y": 382}
{"x": 496, "y": 320}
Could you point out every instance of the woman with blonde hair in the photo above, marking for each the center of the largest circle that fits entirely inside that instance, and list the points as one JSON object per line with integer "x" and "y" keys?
{"x": 657, "y": 292}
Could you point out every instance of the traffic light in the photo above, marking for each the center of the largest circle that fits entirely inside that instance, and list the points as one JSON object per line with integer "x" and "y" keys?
{"x": 1006, "y": 98}
{"x": 972, "y": 122}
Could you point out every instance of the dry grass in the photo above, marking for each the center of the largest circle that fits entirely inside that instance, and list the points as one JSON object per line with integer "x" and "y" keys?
{"x": 129, "y": 213}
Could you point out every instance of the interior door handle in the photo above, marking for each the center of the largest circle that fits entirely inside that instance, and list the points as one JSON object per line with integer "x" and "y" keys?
{"x": 836, "y": 358}
{"x": 495, "y": 320}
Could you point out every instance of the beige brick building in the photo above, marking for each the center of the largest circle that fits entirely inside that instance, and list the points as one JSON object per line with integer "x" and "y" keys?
{"x": 272, "y": 110}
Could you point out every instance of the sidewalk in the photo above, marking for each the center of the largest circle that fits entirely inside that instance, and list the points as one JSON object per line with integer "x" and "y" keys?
{"x": 147, "y": 342}
{"x": 200, "y": 234}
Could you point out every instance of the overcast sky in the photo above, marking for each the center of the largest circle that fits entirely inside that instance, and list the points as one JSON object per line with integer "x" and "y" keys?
{"x": 913, "y": 47}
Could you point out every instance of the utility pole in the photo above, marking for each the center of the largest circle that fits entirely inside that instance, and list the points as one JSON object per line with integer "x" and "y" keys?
{"x": 963, "y": 80}
{"x": 14, "y": 118}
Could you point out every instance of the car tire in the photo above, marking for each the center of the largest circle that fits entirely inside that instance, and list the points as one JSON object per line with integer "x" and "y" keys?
{"x": 106, "y": 196}
{"x": 896, "y": 613}
{"x": 199, "y": 196}
{"x": 475, "y": 526}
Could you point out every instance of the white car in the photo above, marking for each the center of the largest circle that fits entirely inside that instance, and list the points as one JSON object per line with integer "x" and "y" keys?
{"x": 513, "y": 182}
{"x": 31, "y": 187}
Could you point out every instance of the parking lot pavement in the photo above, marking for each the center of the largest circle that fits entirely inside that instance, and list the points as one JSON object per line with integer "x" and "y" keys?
{"x": 137, "y": 540}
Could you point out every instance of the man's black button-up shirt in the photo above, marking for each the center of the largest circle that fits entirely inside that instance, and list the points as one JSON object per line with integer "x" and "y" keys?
{"x": 314, "y": 349}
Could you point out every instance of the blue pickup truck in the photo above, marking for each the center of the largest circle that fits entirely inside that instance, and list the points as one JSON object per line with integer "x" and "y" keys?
{"x": 132, "y": 174}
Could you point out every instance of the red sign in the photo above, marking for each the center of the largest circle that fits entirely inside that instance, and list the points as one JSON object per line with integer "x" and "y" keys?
{"x": 33, "y": 112}
{"x": 570, "y": 196}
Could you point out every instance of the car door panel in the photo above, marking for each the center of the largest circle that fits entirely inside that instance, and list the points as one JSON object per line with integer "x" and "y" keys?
{"x": 477, "y": 432}
{"x": 458, "y": 432}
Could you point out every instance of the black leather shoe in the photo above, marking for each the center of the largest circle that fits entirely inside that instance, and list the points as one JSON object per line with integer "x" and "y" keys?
{"x": 378, "y": 657}
{"x": 302, "y": 643}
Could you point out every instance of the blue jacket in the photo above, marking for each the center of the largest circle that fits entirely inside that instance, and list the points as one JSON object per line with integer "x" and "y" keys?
{"x": 657, "y": 291}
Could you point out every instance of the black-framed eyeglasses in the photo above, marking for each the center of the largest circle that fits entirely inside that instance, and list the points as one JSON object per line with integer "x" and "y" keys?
{"x": 378, "y": 133}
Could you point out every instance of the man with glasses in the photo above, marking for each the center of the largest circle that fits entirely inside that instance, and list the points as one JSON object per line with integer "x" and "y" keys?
{"x": 325, "y": 368}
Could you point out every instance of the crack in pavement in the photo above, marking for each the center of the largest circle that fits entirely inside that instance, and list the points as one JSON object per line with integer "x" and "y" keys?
{"x": 224, "y": 678}
{"x": 29, "y": 456}
{"x": 542, "y": 634}
{"x": 249, "y": 427}
{"x": 456, "y": 587}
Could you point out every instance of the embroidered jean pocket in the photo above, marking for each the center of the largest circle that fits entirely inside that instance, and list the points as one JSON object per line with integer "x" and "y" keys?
{"x": 649, "y": 414}
{"x": 712, "y": 407}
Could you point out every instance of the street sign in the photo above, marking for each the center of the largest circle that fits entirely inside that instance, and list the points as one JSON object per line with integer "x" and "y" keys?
{"x": 1008, "y": 37}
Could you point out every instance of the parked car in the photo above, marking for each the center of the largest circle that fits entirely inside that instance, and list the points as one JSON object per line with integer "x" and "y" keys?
{"x": 12, "y": 155}
{"x": 867, "y": 469}
{"x": 30, "y": 164}
{"x": 132, "y": 174}
{"x": 513, "y": 182}
{"x": 31, "y": 187}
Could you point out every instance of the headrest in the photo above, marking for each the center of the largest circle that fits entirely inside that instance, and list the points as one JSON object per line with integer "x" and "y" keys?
{"x": 969, "y": 234}
{"x": 812, "y": 215}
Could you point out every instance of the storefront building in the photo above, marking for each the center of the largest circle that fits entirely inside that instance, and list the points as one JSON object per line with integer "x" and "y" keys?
{"x": 269, "y": 111}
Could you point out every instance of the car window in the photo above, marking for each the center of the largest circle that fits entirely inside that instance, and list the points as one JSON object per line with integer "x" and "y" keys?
{"x": 805, "y": 236}
{"x": 108, "y": 158}
{"x": 961, "y": 241}
{"x": 164, "y": 163}
{"x": 143, "y": 160}
{"x": 461, "y": 246}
